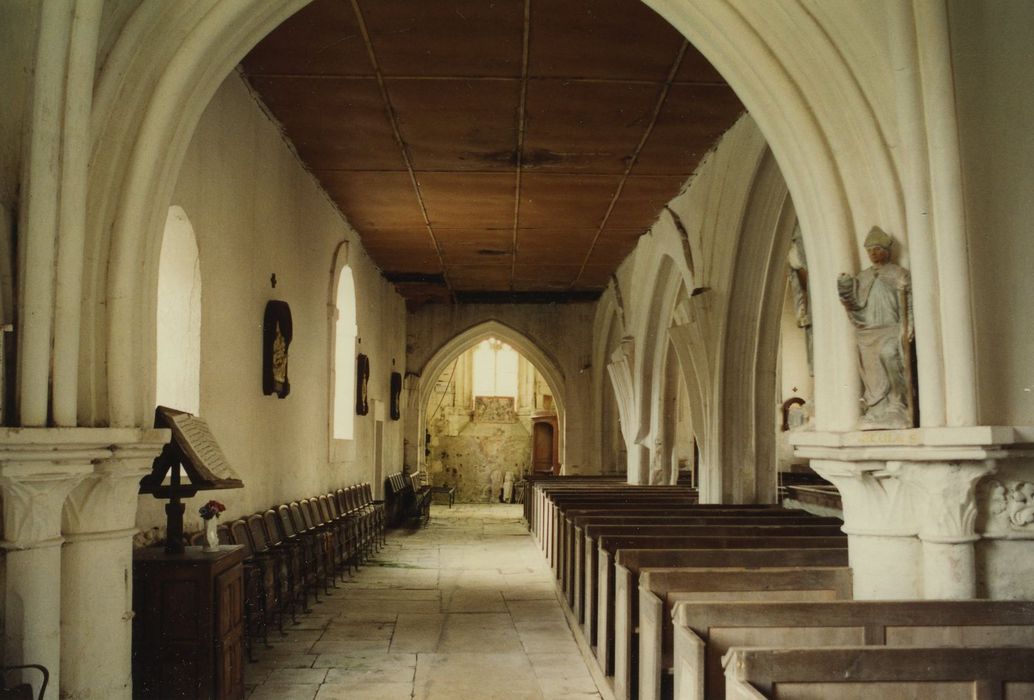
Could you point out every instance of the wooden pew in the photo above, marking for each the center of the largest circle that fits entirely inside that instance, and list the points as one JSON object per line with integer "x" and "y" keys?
{"x": 536, "y": 481}
{"x": 547, "y": 497}
{"x": 651, "y": 497}
{"x": 608, "y": 546}
{"x": 578, "y": 567}
{"x": 541, "y": 491}
{"x": 704, "y": 632}
{"x": 660, "y": 589}
{"x": 574, "y": 517}
{"x": 905, "y": 673}
{"x": 709, "y": 558}
{"x": 615, "y": 503}
{"x": 677, "y": 528}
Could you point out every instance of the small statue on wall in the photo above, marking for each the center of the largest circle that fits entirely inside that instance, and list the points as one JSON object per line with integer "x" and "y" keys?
{"x": 797, "y": 261}
{"x": 879, "y": 304}
{"x": 277, "y": 331}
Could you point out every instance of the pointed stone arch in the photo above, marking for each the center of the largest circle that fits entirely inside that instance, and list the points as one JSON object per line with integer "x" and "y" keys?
{"x": 423, "y": 385}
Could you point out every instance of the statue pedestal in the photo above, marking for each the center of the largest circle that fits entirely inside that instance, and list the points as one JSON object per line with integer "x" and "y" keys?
{"x": 911, "y": 505}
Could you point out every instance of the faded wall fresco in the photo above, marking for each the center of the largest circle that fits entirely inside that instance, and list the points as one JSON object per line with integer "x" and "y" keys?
{"x": 476, "y": 460}
{"x": 473, "y": 440}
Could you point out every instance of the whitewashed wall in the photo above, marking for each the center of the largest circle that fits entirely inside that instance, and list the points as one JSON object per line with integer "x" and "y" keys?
{"x": 994, "y": 74}
{"x": 994, "y": 71}
{"x": 256, "y": 212}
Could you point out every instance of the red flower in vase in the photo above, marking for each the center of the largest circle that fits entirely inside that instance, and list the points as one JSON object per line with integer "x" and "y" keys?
{"x": 210, "y": 510}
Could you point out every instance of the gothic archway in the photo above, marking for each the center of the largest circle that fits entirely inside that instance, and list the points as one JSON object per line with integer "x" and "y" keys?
{"x": 420, "y": 392}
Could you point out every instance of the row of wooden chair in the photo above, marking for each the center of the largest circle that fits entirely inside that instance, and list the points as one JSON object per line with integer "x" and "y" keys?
{"x": 295, "y": 549}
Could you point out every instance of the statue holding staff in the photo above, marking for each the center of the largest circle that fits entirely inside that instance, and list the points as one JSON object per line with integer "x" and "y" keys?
{"x": 879, "y": 304}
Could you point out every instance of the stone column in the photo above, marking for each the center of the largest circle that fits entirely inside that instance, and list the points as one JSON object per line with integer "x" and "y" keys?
{"x": 38, "y": 469}
{"x": 883, "y": 551}
{"x": 913, "y": 491}
{"x": 98, "y": 525}
{"x": 947, "y": 510}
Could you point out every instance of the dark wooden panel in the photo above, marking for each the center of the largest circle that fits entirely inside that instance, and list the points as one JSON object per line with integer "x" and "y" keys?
{"x": 489, "y": 275}
{"x": 178, "y": 604}
{"x": 452, "y": 71}
{"x": 402, "y": 250}
{"x": 188, "y": 624}
{"x": 690, "y": 122}
{"x": 697, "y": 69}
{"x": 534, "y": 277}
{"x": 474, "y": 246}
{"x": 375, "y": 200}
{"x": 601, "y": 39}
{"x": 322, "y": 38}
{"x": 457, "y": 124}
{"x": 550, "y": 246}
{"x": 333, "y": 122}
{"x": 446, "y": 37}
{"x": 595, "y": 276}
{"x": 642, "y": 200}
{"x": 578, "y": 201}
{"x": 575, "y": 126}
{"x": 611, "y": 250}
{"x": 469, "y": 200}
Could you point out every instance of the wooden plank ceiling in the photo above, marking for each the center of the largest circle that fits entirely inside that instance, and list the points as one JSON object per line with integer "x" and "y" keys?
{"x": 493, "y": 149}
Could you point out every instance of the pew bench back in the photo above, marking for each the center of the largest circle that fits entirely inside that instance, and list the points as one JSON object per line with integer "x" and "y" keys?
{"x": 704, "y": 632}
{"x": 854, "y": 673}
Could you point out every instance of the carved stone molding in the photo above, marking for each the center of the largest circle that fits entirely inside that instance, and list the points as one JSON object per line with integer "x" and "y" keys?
{"x": 945, "y": 498}
{"x": 1005, "y": 503}
{"x": 940, "y": 467}
{"x": 106, "y": 500}
{"x": 875, "y": 501}
{"x": 33, "y": 499}
{"x": 40, "y": 467}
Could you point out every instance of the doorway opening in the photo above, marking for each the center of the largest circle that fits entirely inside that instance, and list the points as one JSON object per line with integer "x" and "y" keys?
{"x": 491, "y": 419}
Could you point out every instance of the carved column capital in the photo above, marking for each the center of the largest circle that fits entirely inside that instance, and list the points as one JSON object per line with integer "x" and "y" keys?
{"x": 105, "y": 502}
{"x": 33, "y": 497}
{"x": 944, "y": 493}
{"x": 875, "y": 501}
{"x": 40, "y": 467}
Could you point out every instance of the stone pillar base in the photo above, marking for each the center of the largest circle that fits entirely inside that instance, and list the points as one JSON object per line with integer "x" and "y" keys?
{"x": 885, "y": 567}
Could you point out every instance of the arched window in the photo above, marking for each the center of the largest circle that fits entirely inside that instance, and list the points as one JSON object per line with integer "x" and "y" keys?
{"x": 495, "y": 369}
{"x": 344, "y": 356}
{"x": 178, "y": 362}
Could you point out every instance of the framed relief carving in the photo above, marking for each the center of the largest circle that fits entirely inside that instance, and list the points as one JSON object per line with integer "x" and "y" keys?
{"x": 277, "y": 331}
{"x": 362, "y": 379}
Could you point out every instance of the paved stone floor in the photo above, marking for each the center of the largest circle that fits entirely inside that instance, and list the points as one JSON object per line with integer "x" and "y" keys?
{"x": 463, "y": 608}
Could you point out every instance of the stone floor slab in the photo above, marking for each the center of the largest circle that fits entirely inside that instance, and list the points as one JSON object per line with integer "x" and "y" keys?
{"x": 418, "y": 632}
{"x": 465, "y": 607}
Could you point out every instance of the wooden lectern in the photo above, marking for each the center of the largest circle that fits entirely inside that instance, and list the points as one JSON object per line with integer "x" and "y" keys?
{"x": 192, "y": 453}
{"x": 188, "y": 628}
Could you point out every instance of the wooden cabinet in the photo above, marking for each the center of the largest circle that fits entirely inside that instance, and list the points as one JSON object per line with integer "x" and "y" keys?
{"x": 188, "y": 629}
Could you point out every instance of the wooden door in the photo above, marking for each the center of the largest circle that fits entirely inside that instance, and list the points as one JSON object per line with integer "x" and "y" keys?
{"x": 542, "y": 447}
